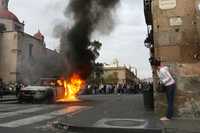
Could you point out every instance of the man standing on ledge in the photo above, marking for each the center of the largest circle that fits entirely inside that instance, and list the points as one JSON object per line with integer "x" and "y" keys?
{"x": 170, "y": 85}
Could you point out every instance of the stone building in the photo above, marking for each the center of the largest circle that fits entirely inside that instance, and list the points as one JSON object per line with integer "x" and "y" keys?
{"x": 174, "y": 38}
{"x": 24, "y": 57}
{"x": 119, "y": 75}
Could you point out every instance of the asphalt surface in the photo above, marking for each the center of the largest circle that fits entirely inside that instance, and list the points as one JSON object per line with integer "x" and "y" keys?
{"x": 114, "y": 113}
{"x": 117, "y": 113}
{"x": 35, "y": 118}
{"x": 93, "y": 114}
{"x": 8, "y": 98}
{"x": 60, "y": 117}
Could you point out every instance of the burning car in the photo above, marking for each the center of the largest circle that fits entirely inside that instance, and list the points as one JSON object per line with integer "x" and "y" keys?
{"x": 47, "y": 91}
{"x": 52, "y": 90}
{"x": 72, "y": 86}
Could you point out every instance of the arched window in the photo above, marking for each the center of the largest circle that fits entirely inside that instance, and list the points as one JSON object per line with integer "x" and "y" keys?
{"x": 30, "y": 50}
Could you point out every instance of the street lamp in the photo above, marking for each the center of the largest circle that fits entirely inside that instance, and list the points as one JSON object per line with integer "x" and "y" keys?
{"x": 147, "y": 42}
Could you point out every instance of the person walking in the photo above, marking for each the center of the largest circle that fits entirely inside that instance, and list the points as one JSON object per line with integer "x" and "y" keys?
{"x": 170, "y": 84}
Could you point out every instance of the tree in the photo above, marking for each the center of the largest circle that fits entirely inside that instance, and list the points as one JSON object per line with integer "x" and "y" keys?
{"x": 97, "y": 72}
{"x": 95, "y": 47}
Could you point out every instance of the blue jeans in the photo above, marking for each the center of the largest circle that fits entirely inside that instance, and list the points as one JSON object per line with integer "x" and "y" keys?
{"x": 170, "y": 92}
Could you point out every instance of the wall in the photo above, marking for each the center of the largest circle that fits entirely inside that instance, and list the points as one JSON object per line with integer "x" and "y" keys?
{"x": 35, "y": 61}
{"x": 11, "y": 25}
{"x": 8, "y": 24}
{"x": 18, "y": 64}
{"x": 176, "y": 41}
{"x": 8, "y": 56}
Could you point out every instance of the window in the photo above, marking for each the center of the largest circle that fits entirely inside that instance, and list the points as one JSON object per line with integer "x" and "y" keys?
{"x": 2, "y": 27}
{"x": 30, "y": 49}
{"x": 18, "y": 28}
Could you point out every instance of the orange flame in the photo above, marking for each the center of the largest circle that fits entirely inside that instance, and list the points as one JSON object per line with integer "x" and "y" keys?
{"x": 71, "y": 87}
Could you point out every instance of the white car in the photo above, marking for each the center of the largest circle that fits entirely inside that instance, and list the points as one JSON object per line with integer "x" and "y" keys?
{"x": 48, "y": 94}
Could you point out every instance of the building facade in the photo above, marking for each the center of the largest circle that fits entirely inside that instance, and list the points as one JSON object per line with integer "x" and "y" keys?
{"x": 175, "y": 40}
{"x": 24, "y": 57}
{"x": 119, "y": 75}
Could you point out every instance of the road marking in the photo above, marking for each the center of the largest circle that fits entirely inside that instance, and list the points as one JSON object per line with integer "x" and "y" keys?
{"x": 30, "y": 110}
{"x": 7, "y": 108}
{"x": 6, "y": 105}
{"x": 8, "y": 102}
{"x": 43, "y": 117}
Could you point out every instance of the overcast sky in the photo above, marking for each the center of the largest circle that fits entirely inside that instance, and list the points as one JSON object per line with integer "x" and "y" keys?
{"x": 125, "y": 42}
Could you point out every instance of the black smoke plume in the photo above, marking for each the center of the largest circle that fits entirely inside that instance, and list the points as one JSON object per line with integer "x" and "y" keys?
{"x": 88, "y": 16}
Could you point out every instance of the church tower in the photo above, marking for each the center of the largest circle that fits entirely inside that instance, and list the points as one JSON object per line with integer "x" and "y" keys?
{"x": 9, "y": 20}
{"x": 4, "y": 4}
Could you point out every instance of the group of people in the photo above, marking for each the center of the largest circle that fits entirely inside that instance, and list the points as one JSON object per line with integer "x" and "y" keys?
{"x": 9, "y": 88}
{"x": 116, "y": 88}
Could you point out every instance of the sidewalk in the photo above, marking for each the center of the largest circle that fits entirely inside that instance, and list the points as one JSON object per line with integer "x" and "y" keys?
{"x": 118, "y": 113}
{"x": 7, "y": 98}
{"x": 182, "y": 126}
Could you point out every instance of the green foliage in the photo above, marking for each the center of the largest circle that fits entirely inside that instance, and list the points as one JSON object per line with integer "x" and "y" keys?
{"x": 96, "y": 75}
{"x": 95, "y": 47}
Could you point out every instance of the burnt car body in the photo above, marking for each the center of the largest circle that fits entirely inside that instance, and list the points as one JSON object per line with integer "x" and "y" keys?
{"x": 47, "y": 91}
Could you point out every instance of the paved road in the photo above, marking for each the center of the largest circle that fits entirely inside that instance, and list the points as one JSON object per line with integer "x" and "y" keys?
{"x": 92, "y": 111}
{"x": 35, "y": 118}
{"x": 114, "y": 113}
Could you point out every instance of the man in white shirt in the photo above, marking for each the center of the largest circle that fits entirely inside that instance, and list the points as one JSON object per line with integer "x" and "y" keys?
{"x": 168, "y": 81}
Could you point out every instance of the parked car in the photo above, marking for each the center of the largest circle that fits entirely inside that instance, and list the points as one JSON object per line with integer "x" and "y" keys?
{"x": 44, "y": 92}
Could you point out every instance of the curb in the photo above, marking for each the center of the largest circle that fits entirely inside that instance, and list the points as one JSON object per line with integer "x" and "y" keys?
{"x": 87, "y": 129}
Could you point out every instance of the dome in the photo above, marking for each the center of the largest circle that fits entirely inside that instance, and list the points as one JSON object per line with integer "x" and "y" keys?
{"x": 8, "y": 15}
{"x": 39, "y": 36}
